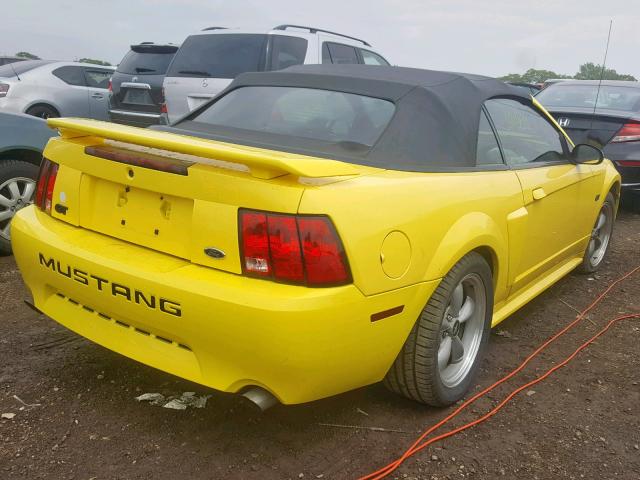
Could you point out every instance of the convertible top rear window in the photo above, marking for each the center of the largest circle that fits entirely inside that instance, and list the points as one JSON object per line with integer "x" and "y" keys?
{"x": 341, "y": 119}
{"x": 387, "y": 117}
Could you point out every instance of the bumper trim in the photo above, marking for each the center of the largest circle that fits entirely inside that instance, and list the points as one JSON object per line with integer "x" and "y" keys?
{"x": 135, "y": 114}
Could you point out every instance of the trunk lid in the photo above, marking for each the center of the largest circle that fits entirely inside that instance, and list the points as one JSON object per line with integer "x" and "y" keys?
{"x": 585, "y": 127}
{"x": 172, "y": 193}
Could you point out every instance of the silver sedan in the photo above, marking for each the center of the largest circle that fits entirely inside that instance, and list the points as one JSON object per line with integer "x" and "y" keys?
{"x": 46, "y": 89}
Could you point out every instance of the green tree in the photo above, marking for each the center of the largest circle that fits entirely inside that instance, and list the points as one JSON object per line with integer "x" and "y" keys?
{"x": 591, "y": 71}
{"x": 94, "y": 61}
{"x": 532, "y": 76}
{"x": 28, "y": 55}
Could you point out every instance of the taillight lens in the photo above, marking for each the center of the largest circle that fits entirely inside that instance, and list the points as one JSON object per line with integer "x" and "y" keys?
{"x": 4, "y": 89}
{"x": 46, "y": 184}
{"x": 110, "y": 86}
{"x": 630, "y": 132}
{"x": 324, "y": 257}
{"x": 297, "y": 249}
{"x": 628, "y": 163}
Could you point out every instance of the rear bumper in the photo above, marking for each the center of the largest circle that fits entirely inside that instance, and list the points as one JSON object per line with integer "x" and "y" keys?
{"x": 211, "y": 327}
{"x": 136, "y": 119}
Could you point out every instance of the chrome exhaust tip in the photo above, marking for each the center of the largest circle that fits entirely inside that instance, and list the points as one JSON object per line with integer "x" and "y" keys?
{"x": 260, "y": 398}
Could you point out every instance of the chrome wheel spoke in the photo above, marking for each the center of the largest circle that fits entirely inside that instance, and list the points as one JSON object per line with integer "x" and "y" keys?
{"x": 601, "y": 219}
{"x": 456, "y": 300}
{"x": 5, "y": 202}
{"x": 457, "y": 350}
{"x": 27, "y": 195}
{"x": 5, "y": 215}
{"x": 444, "y": 352}
{"x": 467, "y": 310}
{"x": 14, "y": 190}
{"x": 4, "y": 232}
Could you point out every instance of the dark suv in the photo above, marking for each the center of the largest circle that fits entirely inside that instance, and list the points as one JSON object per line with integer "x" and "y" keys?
{"x": 136, "y": 86}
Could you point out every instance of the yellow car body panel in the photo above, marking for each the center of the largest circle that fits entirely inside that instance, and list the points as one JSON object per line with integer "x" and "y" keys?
{"x": 124, "y": 265}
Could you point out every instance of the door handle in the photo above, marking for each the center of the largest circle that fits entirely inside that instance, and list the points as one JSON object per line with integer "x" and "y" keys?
{"x": 97, "y": 95}
{"x": 538, "y": 193}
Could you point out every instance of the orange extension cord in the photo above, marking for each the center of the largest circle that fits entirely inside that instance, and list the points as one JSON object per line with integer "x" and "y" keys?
{"x": 419, "y": 444}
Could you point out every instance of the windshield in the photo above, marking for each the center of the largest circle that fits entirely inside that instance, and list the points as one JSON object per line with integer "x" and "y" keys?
{"x": 610, "y": 97}
{"x": 135, "y": 63}
{"x": 354, "y": 121}
{"x": 11, "y": 69}
{"x": 219, "y": 56}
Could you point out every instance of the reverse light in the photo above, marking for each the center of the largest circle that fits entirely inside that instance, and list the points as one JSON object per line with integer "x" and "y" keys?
{"x": 630, "y": 132}
{"x": 4, "y": 89}
{"x": 46, "y": 184}
{"x": 296, "y": 249}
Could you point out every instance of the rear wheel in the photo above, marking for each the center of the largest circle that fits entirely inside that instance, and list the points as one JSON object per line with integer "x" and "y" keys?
{"x": 42, "y": 111}
{"x": 598, "y": 246}
{"x": 441, "y": 355}
{"x": 17, "y": 188}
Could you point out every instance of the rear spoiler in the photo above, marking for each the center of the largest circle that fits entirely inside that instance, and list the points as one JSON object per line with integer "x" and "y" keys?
{"x": 261, "y": 163}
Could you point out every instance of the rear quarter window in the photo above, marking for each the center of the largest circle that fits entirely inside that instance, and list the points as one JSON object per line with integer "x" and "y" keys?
{"x": 71, "y": 75}
{"x": 339, "y": 54}
{"x": 287, "y": 51}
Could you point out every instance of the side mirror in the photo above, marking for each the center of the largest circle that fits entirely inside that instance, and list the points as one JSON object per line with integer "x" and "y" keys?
{"x": 585, "y": 153}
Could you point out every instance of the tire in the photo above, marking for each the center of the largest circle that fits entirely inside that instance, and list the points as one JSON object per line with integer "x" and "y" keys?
{"x": 598, "y": 246}
{"x": 42, "y": 111}
{"x": 14, "y": 173}
{"x": 416, "y": 372}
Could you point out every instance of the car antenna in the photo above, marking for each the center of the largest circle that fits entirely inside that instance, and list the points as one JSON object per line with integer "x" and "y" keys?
{"x": 15, "y": 73}
{"x": 604, "y": 66}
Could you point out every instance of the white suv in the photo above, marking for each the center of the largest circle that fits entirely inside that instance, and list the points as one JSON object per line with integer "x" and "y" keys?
{"x": 207, "y": 61}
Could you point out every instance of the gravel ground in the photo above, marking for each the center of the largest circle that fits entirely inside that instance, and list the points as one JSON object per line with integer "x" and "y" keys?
{"x": 583, "y": 422}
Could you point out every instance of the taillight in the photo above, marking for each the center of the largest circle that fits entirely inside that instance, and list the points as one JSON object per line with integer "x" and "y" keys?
{"x": 110, "y": 86}
{"x": 628, "y": 163}
{"x": 297, "y": 249}
{"x": 46, "y": 184}
{"x": 163, "y": 103}
{"x": 630, "y": 132}
{"x": 4, "y": 89}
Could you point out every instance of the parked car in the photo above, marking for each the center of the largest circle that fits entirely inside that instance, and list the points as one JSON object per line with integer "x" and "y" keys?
{"x": 136, "y": 86}
{"x": 207, "y": 61}
{"x": 316, "y": 230}
{"x": 22, "y": 139}
{"x": 45, "y": 88}
{"x": 4, "y": 60}
{"x": 530, "y": 88}
{"x": 613, "y": 124}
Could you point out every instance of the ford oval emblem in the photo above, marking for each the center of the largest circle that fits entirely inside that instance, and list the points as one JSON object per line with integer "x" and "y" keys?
{"x": 214, "y": 252}
{"x": 134, "y": 79}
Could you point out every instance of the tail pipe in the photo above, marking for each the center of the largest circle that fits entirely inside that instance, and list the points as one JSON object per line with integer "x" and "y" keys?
{"x": 260, "y": 398}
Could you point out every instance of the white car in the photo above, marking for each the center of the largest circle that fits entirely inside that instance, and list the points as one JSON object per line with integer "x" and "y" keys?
{"x": 207, "y": 61}
{"x": 45, "y": 88}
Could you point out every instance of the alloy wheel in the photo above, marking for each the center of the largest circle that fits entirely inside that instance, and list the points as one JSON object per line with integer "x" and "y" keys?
{"x": 461, "y": 330}
{"x": 15, "y": 194}
{"x": 600, "y": 235}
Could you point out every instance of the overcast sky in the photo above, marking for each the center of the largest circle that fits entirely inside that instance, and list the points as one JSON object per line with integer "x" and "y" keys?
{"x": 491, "y": 37}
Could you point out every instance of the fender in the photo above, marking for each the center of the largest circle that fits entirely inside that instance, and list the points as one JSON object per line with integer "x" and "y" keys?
{"x": 473, "y": 231}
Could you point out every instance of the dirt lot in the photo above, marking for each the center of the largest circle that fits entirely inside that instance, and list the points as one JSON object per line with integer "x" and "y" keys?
{"x": 584, "y": 422}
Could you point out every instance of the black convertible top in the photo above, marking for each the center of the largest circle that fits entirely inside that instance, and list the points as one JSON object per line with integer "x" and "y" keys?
{"x": 435, "y": 124}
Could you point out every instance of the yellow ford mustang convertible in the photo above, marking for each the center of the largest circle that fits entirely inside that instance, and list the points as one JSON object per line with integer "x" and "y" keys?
{"x": 311, "y": 231}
